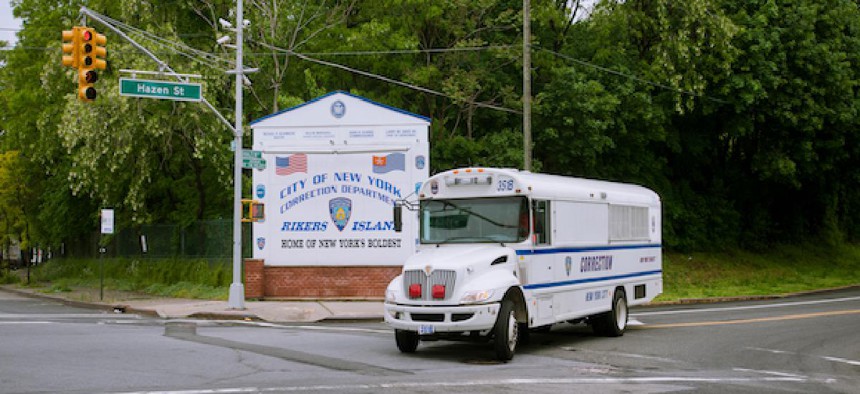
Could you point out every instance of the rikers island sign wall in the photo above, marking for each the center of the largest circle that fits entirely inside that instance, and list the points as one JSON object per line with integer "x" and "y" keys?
{"x": 329, "y": 190}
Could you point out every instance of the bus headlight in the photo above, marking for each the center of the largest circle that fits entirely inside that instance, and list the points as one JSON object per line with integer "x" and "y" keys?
{"x": 474, "y": 297}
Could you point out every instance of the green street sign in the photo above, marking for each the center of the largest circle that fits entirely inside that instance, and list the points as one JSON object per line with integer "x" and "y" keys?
{"x": 160, "y": 89}
{"x": 259, "y": 164}
{"x": 252, "y": 154}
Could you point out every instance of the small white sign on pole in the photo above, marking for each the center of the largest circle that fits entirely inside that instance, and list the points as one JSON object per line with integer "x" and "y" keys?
{"x": 107, "y": 221}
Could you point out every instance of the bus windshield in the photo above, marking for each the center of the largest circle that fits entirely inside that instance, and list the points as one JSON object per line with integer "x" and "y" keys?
{"x": 471, "y": 220}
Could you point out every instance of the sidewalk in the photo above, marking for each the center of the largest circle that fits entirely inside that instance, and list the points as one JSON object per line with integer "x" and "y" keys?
{"x": 177, "y": 308}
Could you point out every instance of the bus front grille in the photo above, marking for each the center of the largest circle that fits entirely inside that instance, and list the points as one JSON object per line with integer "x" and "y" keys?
{"x": 445, "y": 278}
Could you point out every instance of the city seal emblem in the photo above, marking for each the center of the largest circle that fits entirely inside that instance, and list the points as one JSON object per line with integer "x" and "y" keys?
{"x": 340, "y": 209}
{"x": 338, "y": 109}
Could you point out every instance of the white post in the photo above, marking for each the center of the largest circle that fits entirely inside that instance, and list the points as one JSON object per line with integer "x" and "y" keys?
{"x": 237, "y": 289}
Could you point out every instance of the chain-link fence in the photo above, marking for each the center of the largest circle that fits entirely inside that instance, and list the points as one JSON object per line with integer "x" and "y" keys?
{"x": 210, "y": 239}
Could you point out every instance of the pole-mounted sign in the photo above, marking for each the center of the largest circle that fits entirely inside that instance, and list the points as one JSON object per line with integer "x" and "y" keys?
{"x": 107, "y": 221}
{"x": 160, "y": 89}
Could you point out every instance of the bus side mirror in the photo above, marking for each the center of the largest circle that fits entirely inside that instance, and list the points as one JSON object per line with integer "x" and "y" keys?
{"x": 398, "y": 217}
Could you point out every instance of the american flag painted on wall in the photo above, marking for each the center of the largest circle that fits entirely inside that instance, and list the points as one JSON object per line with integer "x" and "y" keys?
{"x": 291, "y": 164}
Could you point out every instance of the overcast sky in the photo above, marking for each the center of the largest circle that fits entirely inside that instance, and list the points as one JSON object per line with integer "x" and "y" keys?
{"x": 8, "y": 24}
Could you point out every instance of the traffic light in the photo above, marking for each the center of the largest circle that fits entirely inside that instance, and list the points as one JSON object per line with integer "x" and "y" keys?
{"x": 71, "y": 42}
{"x": 255, "y": 212}
{"x": 91, "y": 53}
{"x": 83, "y": 49}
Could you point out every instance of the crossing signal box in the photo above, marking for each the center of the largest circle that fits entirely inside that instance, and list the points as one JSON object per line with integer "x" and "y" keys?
{"x": 255, "y": 211}
{"x": 84, "y": 49}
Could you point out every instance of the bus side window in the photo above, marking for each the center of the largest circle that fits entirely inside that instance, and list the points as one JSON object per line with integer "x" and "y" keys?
{"x": 541, "y": 226}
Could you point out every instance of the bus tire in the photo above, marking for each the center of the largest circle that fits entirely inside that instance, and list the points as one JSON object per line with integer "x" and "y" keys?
{"x": 506, "y": 332}
{"x": 525, "y": 334}
{"x": 407, "y": 341}
{"x": 614, "y": 322}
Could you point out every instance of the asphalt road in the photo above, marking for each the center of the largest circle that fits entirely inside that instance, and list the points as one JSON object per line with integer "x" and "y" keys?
{"x": 800, "y": 344}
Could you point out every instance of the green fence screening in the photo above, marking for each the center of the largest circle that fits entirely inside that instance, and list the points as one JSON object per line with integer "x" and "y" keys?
{"x": 210, "y": 239}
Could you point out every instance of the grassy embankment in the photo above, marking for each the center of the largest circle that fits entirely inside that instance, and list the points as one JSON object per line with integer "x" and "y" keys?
{"x": 168, "y": 278}
{"x": 780, "y": 270}
{"x": 783, "y": 269}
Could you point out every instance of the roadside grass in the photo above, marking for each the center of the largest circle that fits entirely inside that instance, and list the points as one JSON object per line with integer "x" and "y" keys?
{"x": 8, "y": 278}
{"x": 781, "y": 270}
{"x": 167, "y": 278}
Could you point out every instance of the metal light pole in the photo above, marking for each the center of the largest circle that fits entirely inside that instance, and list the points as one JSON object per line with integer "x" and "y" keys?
{"x": 527, "y": 87}
{"x": 237, "y": 289}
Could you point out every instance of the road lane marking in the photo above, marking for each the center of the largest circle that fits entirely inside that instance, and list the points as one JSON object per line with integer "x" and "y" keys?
{"x": 749, "y": 321}
{"x": 841, "y": 360}
{"x": 828, "y": 358}
{"x": 9, "y": 323}
{"x": 23, "y": 316}
{"x": 620, "y": 354}
{"x": 771, "y": 350}
{"x": 742, "y": 308}
{"x": 775, "y": 373}
{"x": 490, "y": 383}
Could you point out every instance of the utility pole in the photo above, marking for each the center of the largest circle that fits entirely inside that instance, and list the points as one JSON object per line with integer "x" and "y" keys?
{"x": 237, "y": 289}
{"x": 527, "y": 87}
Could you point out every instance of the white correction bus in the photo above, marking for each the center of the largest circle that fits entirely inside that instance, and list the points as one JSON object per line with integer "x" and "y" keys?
{"x": 504, "y": 251}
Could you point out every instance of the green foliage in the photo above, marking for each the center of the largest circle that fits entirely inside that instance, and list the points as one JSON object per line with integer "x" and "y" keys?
{"x": 168, "y": 277}
{"x": 8, "y": 278}
{"x": 742, "y": 115}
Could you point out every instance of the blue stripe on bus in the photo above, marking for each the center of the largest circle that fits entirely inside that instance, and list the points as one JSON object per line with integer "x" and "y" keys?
{"x": 590, "y": 280}
{"x": 529, "y": 252}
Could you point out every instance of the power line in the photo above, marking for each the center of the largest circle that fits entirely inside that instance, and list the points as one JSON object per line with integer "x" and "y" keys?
{"x": 629, "y": 76}
{"x": 409, "y": 51}
{"x": 203, "y": 57}
{"x": 385, "y": 79}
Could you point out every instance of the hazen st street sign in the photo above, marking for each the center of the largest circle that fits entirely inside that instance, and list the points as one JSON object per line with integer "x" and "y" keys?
{"x": 253, "y": 159}
{"x": 160, "y": 89}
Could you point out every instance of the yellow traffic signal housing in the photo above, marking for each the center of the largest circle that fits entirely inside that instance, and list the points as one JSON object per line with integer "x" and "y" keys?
{"x": 255, "y": 211}
{"x": 86, "y": 78}
{"x": 71, "y": 43}
{"x": 91, "y": 53}
{"x": 92, "y": 50}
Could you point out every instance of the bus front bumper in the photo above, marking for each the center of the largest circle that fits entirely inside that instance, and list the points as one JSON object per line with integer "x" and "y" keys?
{"x": 429, "y": 320}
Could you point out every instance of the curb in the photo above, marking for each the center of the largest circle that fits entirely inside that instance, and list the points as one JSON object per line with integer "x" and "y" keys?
{"x": 124, "y": 308}
{"x": 224, "y": 316}
{"x": 78, "y": 304}
{"x": 352, "y": 319}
